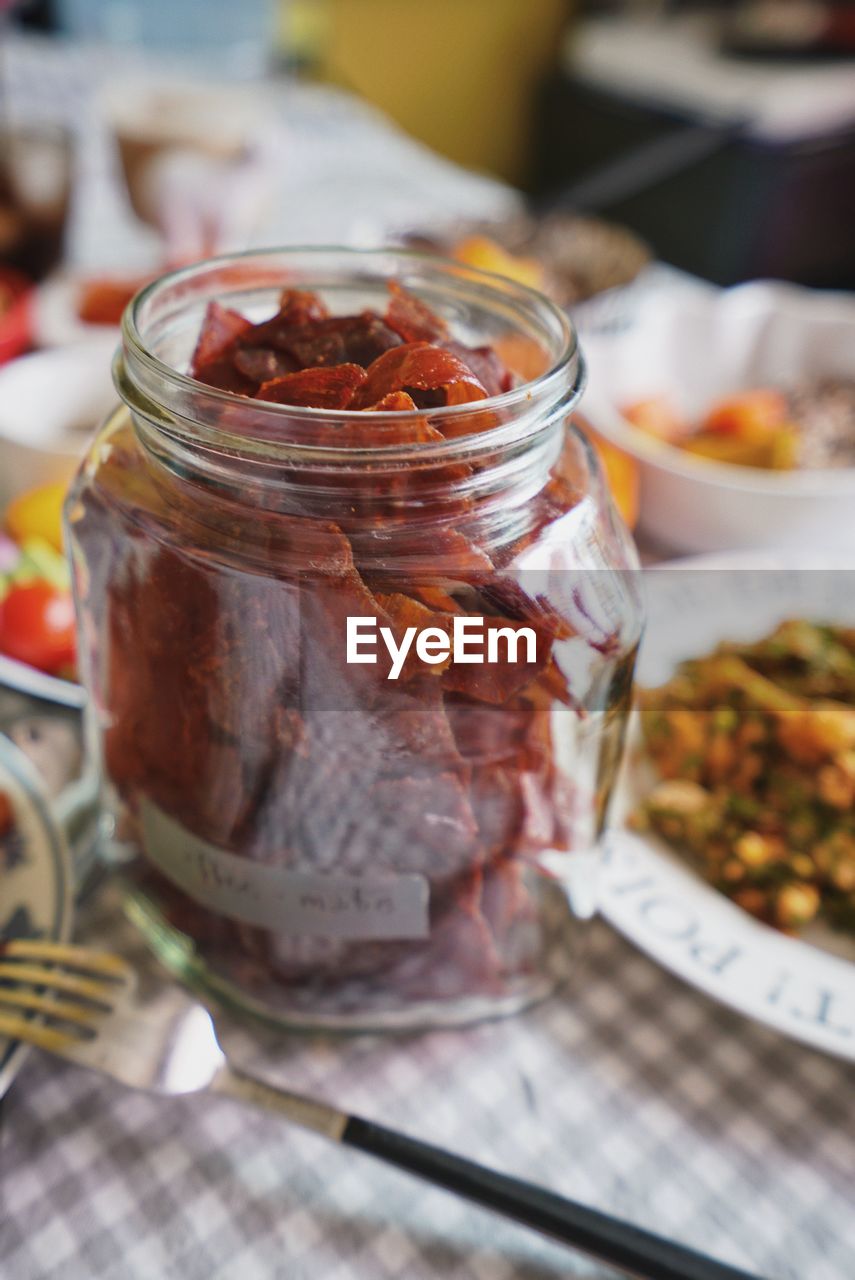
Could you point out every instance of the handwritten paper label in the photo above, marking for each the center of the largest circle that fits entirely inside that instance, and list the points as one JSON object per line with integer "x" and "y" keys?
{"x": 299, "y": 903}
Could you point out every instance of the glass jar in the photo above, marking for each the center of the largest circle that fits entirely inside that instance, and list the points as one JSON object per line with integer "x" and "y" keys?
{"x": 303, "y": 827}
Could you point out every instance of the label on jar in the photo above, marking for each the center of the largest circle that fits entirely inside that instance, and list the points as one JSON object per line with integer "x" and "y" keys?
{"x": 299, "y": 903}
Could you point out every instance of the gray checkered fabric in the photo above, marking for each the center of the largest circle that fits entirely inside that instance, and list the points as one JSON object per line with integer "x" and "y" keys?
{"x": 627, "y": 1091}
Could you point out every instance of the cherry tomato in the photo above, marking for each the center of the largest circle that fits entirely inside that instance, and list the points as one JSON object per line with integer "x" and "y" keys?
{"x": 37, "y": 626}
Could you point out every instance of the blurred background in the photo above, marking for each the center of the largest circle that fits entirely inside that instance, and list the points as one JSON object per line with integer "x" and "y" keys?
{"x": 724, "y": 135}
{"x": 623, "y": 157}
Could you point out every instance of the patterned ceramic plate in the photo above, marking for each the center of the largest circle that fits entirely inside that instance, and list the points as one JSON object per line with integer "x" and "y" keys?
{"x": 35, "y": 874}
{"x": 803, "y": 987}
{"x": 26, "y": 679}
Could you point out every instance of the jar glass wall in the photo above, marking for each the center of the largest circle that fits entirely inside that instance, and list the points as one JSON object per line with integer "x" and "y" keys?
{"x": 318, "y": 817}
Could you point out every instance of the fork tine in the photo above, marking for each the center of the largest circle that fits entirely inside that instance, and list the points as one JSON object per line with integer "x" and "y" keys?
{"x": 86, "y": 959}
{"x": 103, "y": 992}
{"x": 64, "y": 1010}
{"x": 18, "y": 1027}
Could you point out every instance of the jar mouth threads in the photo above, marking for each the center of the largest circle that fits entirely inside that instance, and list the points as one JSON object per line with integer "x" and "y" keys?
{"x": 160, "y": 325}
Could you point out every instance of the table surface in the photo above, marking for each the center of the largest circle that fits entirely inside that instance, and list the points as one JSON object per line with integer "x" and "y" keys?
{"x": 627, "y": 1090}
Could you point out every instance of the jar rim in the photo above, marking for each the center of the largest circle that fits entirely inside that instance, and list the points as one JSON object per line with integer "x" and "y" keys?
{"x": 565, "y": 371}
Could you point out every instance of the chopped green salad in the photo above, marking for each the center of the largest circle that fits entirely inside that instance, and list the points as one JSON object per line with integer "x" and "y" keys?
{"x": 755, "y": 748}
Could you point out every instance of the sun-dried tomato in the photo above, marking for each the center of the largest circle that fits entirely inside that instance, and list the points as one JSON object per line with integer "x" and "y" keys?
{"x": 490, "y": 371}
{"x": 395, "y": 402}
{"x": 419, "y": 367}
{"x": 263, "y": 364}
{"x": 366, "y": 337}
{"x": 299, "y": 306}
{"x": 405, "y": 612}
{"x": 223, "y": 375}
{"x": 308, "y": 345}
{"x": 330, "y": 340}
{"x": 412, "y": 318}
{"x": 513, "y": 601}
{"x": 498, "y": 681}
{"x": 220, "y": 328}
{"x": 315, "y": 388}
{"x": 410, "y": 360}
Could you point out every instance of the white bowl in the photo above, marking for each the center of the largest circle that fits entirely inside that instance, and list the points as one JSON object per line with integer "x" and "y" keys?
{"x": 697, "y": 344}
{"x": 50, "y": 404}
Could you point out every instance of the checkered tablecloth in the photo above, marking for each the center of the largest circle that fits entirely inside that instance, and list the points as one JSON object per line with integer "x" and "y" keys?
{"x": 628, "y": 1091}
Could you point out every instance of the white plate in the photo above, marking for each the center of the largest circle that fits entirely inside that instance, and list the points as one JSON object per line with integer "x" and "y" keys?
{"x": 35, "y": 875}
{"x": 26, "y": 679}
{"x": 51, "y": 402}
{"x": 806, "y": 989}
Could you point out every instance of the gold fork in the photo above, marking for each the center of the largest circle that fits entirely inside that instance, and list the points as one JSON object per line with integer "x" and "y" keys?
{"x": 81, "y": 1004}
{"x": 86, "y": 990}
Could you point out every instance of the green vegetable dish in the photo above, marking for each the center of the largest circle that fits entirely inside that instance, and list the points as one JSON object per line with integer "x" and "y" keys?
{"x": 755, "y": 748}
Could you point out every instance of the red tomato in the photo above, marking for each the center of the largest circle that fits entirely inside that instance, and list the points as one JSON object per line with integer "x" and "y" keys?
{"x": 16, "y": 311}
{"x": 37, "y": 626}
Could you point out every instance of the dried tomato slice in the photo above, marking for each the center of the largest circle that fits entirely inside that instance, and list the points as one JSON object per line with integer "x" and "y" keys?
{"x": 514, "y": 734}
{"x": 263, "y": 364}
{"x": 405, "y": 612}
{"x": 220, "y": 328}
{"x": 318, "y": 345}
{"x": 509, "y": 596}
{"x": 417, "y": 367}
{"x": 367, "y": 336}
{"x": 395, "y": 402}
{"x": 238, "y": 652}
{"x": 329, "y": 341}
{"x": 496, "y": 682}
{"x": 300, "y": 306}
{"x": 435, "y": 552}
{"x": 497, "y": 805}
{"x": 315, "y": 388}
{"x": 341, "y": 339}
{"x": 512, "y": 915}
{"x": 358, "y": 434}
{"x": 418, "y": 822}
{"x": 224, "y": 376}
{"x": 414, "y": 431}
{"x": 412, "y": 318}
{"x": 337, "y": 806}
{"x": 489, "y": 369}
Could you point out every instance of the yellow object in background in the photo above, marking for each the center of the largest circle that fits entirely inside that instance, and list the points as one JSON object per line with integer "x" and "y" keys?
{"x": 620, "y": 470}
{"x": 460, "y": 75}
{"x": 486, "y": 255}
{"x": 622, "y": 478}
{"x": 37, "y": 514}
